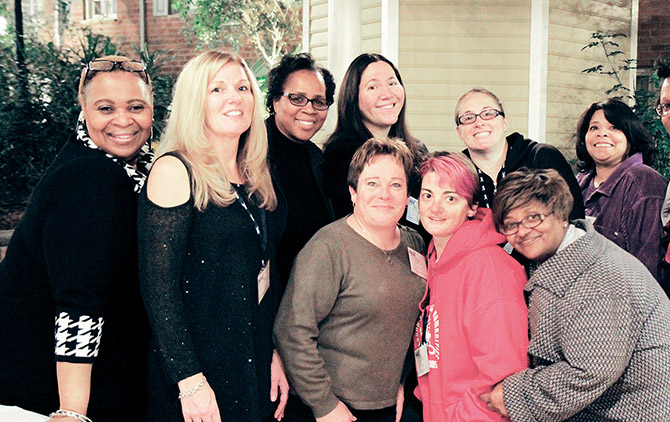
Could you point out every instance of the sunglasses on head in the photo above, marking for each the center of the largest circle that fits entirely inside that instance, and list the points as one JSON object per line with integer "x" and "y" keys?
{"x": 135, "y": 66}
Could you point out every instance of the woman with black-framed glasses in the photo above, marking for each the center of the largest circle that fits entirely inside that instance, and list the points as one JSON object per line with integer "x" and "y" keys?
{"x": 299, "y": 95}
{"x": 73, "y": 331}
{"x": 481, "y": 123}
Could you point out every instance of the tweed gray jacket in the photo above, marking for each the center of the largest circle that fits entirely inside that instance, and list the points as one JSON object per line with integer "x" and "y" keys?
{"x": 599, "y": 339}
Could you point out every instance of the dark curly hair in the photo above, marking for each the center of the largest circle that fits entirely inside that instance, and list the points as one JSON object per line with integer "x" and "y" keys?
{"x": 623, "y": 118}
{"x": 292, "y": 63}
{"x": 662, "y": 68}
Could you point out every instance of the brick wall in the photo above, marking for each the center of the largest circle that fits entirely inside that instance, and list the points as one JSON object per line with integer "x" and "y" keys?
{"x": 654, "y": 31}
{"x": 162, "y": 32}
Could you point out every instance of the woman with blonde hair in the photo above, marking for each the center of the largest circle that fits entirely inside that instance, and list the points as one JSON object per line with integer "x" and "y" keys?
{"x": 209, "y": 223}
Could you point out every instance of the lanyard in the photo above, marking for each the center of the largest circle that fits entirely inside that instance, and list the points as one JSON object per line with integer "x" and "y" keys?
{"x": 482, "y": 185}
{"x": 262, "y": 237}
{"x": 426, "y": 301}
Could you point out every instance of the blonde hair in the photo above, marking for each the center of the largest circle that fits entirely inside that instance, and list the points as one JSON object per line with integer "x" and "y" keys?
{"x": 88, "y": 75}
{"x": 185, "y": 134}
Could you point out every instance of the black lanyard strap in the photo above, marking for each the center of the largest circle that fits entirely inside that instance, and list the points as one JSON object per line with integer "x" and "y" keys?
{"x": 261, "y": 231}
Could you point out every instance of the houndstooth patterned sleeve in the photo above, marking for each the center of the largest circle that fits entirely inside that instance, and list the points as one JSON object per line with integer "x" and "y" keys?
{"x": 78, "y": 338}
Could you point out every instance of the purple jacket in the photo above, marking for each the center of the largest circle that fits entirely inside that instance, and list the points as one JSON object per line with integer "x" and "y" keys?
{"x": 627, "y": 207}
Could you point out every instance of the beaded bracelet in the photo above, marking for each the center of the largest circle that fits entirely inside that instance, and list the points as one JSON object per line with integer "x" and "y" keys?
{"x": 69, "y": 414}
{"x": 195, "y": 389}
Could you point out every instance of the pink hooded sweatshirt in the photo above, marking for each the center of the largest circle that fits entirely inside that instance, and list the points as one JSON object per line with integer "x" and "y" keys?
{"x": 477, "y": 325}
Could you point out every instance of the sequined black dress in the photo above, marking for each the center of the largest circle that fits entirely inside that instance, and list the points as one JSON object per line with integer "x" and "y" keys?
{"x": 198, "y": 273}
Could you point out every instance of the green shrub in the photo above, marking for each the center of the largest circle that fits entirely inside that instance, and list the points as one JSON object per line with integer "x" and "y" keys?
{"x": 35, "y": 125}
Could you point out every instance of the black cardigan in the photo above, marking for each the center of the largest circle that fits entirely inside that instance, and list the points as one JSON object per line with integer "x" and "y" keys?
{"x": 74, "y": 255}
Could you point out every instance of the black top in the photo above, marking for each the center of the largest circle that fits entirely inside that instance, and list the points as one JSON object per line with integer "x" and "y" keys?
{"x": 198, "y": 273}
{"x": 74, "y": 256}
{"x": 298, "y": 168}
{"x": 338, "y": 155}
{"x": 523, "y": 152}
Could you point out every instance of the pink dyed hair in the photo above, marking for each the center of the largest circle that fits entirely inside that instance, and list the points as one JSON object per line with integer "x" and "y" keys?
{"x": 455, "y": 169}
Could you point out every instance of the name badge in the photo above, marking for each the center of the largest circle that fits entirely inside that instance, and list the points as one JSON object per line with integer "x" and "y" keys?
{"x": 421, "y": 360}
{"x": 412, "y": 211}
{"x": 263, "y": 281}
{"x": 417, "y": 263}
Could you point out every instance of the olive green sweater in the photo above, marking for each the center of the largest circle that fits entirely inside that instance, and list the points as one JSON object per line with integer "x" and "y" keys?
{"x": 346, "y": 320}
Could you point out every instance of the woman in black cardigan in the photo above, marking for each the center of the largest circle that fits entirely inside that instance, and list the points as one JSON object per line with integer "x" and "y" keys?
{"x": 73, "y": 260}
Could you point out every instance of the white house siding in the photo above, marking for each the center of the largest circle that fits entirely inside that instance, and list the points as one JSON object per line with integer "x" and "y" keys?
{"x": 371, "y": 30}
{"x": 318, "y": 21}
{"x": 447, "y": 48}
{"x": 569, "y": 91}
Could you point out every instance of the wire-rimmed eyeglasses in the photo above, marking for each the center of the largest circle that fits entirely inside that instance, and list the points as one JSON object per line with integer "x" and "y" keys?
{"x": 530, "y": 221}
{"x": 663, "y": 109}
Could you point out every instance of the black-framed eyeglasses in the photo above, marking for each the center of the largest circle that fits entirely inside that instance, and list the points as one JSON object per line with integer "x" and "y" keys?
{"x": 300, "y": 100}
{"x": 488, "y": 114}
{"x": 530, "y": 221}
{"x": 663, "y": 109}
{"x": 134, "y": 66}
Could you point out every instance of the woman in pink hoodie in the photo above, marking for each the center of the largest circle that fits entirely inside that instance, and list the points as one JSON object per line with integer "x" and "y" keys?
{"x": 473, "y": 330}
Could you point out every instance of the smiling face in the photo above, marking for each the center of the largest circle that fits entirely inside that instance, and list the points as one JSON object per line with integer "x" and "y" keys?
{"x": 381, "y": 193}
{"x": 230, "y": 103}
{"x": 540, "y": 242}
{"x": 299, "y": 124}
{"x": 118, "y": 111}
{"x": 665, "y": 99}
{"x": 443, "y": 211}
{"x": 482, "y": 135}
{"x": 380, "y": 98}
{"x": 607, "y": 145}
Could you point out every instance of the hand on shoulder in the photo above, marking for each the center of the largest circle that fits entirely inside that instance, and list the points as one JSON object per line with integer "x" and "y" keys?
{"x": 168, "y": 184}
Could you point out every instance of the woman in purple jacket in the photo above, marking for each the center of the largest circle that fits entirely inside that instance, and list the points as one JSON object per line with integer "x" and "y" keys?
{"x": 622, "y": 194}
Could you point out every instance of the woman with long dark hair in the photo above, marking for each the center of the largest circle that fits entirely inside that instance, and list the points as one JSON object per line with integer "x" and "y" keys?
{"x": 371, "y": 104}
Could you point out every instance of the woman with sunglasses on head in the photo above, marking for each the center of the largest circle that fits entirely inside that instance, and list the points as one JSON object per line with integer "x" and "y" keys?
{"x": 622, "y": 193}
{"x": 481, "y": 123}
{"x": 371, "y": 104}
{"x": 299, "y": 95}
{"x": 209, "y": 224}
{"x": 73, "y": 260}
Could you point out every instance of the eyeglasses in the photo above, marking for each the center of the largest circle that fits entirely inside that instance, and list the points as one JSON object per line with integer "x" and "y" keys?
{"x": 530, "y": 221}
{"x": 663, "y": 109}
{"x": 301, "y": 101}
{"x": 127, "y": 65}
{"x": 488, "y": 114}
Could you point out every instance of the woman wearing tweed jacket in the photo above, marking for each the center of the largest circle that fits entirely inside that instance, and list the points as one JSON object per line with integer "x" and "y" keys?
{"x": 599, "y": 343}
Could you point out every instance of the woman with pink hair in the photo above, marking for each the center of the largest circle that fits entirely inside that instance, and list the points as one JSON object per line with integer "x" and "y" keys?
{"x": 473, "y": 329}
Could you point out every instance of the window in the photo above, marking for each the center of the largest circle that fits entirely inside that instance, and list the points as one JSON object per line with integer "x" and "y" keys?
{"x": 100, "y": 9}
{"x": 164, "y": 7}
{"x": 33, "y": 10}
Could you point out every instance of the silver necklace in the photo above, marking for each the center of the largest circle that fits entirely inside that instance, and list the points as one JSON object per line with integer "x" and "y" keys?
{"x": 387, "y": 254}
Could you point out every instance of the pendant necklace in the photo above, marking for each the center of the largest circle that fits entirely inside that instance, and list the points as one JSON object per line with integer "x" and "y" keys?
{"x": 387, "y": 254}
